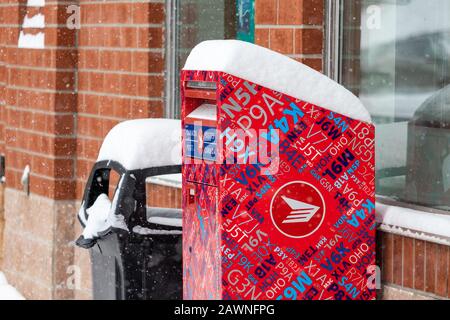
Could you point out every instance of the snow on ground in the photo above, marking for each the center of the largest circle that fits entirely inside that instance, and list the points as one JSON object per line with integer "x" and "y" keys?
{"x": 8, "y": 292}
{"x": 143, "y": 143}
{"x": 277, "y": 72}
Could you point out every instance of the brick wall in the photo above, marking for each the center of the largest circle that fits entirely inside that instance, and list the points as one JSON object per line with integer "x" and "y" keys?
{"x": 3, "y": 78}
{"x": 56, "y": 105}
{"x": 292, "y": 27}
{"x": 120, "y": 71}
{"x": 40, "y": 104}
{"x": 120, "y": 76}
{"x": 39, "y": 131}
{"x": 2, "y": 218}
{"x": 163, "y": 196}
{"x": 412, "y": 264}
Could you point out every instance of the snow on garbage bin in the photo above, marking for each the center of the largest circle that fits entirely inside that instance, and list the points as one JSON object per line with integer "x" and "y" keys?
{"x": 135, "y": 250}
{"x": 278, "y": 179}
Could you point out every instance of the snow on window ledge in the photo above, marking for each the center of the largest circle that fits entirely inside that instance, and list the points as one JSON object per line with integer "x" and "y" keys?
{"x": 415, "y": 224}
{"x": 167, "y": 180}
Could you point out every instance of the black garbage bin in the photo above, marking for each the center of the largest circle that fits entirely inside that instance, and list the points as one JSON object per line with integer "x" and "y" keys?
{"x": 138, "y": 255}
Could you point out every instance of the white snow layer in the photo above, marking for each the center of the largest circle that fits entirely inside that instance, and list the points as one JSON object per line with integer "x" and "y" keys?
{"x": 101, "y": 215}
{"x": 97, "y": 220}
{"x": 143, "y": 143}
{"x": 32, "y": 41}
{"x": 146, "y": 231}
{"x": 25, "y": 175}
{"x": 205, "y": 112}
{"x": 277, "y": 72}
{"x": 172, "y": 222}
{"x": 8, "y": 292}
{"x": 36, "y": 21}
{"x": 168, "y": 180}
{"x": 418, "y": 223}
{"x": 36, "y": 3}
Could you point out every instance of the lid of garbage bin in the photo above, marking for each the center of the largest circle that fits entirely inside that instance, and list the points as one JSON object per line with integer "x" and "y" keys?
{"x": 275, "y": 71}
{"x": 143, "y": 143}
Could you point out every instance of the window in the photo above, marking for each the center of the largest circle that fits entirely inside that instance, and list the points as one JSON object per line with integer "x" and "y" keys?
{"x": 192, "y": 21}
{"x": 395, "y": 56}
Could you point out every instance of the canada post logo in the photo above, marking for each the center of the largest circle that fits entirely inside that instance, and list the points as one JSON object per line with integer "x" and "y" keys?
{"x": 297, "y": 209}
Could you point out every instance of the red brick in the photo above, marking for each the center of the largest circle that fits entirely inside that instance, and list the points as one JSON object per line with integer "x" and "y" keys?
{"x": 150, "y": 38}
{"x": 282, "y": 40}
{"x": 313, "y": 12}
{"x": 144, "y": 13}
{"x": 266, "y": 11}
{"x": 92, "y": 104}
{"x": 419, "y": 265}
{"x": 123, "y": 60}
{"x": 262, "y": 37}
{"x": 107, "y": 60}
{"x": 96, "y": 81}
{"x": 66, "y": 58}
{"x": 91, "y": 13}
{"x": 308, "y": 41}
{"x": 112, "y": 83}
{"x": 112, "y": 37}
{"x": 148, "y": 62}
{"x": 442, "y": 270}
{"x": 129, "y": 37}
{"x": 121, "y": 108}
{"x": 105, "y": 106}
{"x": 83, "y": 81}
{"x": 64, "y": 102}
{"x": 65, "y": 147}
{"x": 65, "y": 81}
{"x": 64, "y": 124}
{"x": 290, "y": 12}
{"x": 387, "y": 270}
{"x": 128, "y": 85}
{"x": 431, "y": 263}
{"x": 91, "y": 148}
{"x": 397, "y": 260}
{"x": 92, "y": 58}
{"x": 408, "y": 262}
{"x": 64, "y": 189}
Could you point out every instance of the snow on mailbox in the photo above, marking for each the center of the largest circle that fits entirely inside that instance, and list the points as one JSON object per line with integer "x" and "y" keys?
{"x": 278, "y": 179}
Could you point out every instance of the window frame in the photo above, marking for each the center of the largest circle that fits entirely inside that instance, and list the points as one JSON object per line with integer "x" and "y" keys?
{"x": 333, "y": 68}
{"x": 170, "y": 71}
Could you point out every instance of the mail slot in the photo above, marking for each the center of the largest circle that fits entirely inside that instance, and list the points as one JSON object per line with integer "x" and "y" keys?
{"x": 278, "y": 179}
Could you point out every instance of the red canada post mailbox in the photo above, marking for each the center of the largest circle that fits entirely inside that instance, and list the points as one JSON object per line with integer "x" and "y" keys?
{"x": 278, "y": 179}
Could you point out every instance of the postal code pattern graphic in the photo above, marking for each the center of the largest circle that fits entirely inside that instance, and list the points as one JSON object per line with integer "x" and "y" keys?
{"x": 303, "y": 231}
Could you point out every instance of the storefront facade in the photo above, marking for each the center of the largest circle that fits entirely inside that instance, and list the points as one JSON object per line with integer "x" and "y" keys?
{"x": 57, "y": 102}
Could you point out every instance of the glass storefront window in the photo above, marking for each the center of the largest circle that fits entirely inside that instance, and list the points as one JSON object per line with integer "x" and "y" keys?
{"x": 194, "y": 21}
{"x": 395, "y": 56}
